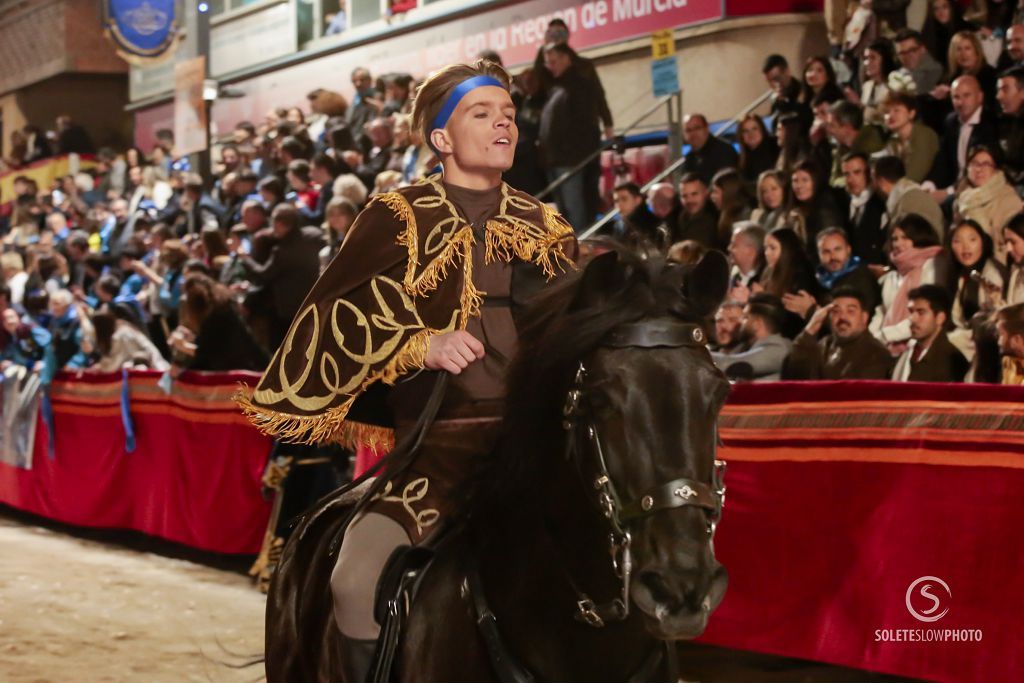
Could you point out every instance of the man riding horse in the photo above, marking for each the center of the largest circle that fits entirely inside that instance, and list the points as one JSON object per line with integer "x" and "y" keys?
{"x": 430, "y": 278}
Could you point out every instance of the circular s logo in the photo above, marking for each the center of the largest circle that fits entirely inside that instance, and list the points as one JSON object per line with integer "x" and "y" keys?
{"x": 924, "y": 587}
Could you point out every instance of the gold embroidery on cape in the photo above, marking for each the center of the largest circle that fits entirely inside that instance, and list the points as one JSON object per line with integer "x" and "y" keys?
{"x": 448, "y": 241}
{"x": 412, "y": 493}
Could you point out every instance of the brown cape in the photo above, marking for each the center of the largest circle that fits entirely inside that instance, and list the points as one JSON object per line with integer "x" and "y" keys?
{"x": 404, "y": 273}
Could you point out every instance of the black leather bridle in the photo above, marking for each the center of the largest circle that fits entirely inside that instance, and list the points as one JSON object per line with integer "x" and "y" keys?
{"x": 659, "y": 333}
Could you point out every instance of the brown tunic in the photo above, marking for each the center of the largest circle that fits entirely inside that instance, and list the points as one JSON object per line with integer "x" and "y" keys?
{"x": 470, "y": 417}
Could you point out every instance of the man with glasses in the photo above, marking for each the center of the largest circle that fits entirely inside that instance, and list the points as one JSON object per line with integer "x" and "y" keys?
{"x": 708, "y": 155}
{"x": 916, "y": 62}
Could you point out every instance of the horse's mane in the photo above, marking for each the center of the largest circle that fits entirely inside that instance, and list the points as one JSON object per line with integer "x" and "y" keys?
{"x": 563, "y": 324}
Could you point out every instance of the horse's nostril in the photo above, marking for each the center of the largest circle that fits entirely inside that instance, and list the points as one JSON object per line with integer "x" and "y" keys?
{"x": 660, "y": 590}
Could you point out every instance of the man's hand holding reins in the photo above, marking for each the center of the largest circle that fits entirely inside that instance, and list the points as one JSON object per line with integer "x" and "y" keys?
{"x": 453, "y": 351}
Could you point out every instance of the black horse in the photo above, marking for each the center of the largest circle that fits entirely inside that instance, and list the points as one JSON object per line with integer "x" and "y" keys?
{"x": 585, "y": 539}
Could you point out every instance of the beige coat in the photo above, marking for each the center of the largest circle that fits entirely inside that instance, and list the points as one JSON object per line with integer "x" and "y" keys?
{"x": 992, "y": 205}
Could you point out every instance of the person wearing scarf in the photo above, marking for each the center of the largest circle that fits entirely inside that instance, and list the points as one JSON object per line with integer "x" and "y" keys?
{"x": 913, "y": 252}
{"x": 986, "y": 197}
{"x": 429, "y": 280}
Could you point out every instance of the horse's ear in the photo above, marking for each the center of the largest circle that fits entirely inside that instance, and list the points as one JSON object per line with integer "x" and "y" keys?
{"x": 601, "y": 277}
{"x": 706, "y": 284}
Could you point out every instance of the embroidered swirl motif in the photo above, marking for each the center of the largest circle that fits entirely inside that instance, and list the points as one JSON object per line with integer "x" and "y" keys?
{"x": 375, "y": 347}
{"x": 413, "y": 492}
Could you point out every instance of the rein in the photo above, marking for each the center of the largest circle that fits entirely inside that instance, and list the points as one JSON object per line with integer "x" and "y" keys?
{"x": 683, "y": 492}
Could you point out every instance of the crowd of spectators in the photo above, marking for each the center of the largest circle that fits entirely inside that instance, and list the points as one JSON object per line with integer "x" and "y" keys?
{"x": 873, "y": 218}
{"x": 140, "y": 262}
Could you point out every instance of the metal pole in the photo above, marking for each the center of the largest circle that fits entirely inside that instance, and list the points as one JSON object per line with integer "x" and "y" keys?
{"x": 203, "y": 49}
{"x": 679, "y": 132}
{"x": 675, "y": 116}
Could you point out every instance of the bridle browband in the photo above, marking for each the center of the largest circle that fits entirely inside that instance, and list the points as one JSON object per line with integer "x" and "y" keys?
{"x": 684, "y": 492}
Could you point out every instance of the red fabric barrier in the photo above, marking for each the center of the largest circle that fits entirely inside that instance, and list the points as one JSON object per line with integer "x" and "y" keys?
{"x": 842, "y": 494}
{"x": 194, "y": 477}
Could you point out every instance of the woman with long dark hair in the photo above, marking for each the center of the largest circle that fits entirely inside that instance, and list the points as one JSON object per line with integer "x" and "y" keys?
{"x": 975, "y": 280}
{"x": 212, "y": 335}
{"x": 730, "y": 197}
{"x": 811, "y": 208}
{"x": 787, "y": 271}
{"x": 1013, "y": 236}
{"x": 819, "y": 81}
{"x": 791, "y": 135}
{"x": 876, "y": 65}
{"x": 758, "y": 149}
{"x": 945, "y": 19}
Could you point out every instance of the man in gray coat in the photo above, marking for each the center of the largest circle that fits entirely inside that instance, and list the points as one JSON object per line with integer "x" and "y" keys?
{"x": 762, "y": 321}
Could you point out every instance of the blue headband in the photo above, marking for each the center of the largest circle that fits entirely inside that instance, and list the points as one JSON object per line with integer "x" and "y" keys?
{"x": 460, "y": 91}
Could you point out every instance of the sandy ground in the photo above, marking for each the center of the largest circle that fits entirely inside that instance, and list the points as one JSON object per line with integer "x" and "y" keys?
{"x": 74, "y": 610}
{"x": 80, "y": 610}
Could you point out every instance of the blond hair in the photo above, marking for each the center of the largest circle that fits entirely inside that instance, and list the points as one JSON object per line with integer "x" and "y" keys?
{"x": 431, "y": 95}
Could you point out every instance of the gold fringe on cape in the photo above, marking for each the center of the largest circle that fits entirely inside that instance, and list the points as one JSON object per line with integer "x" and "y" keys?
{"x": 331, "y": 426}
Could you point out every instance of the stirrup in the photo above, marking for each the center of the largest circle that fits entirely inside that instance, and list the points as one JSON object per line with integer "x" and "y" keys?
{"x": 396, "y": 590}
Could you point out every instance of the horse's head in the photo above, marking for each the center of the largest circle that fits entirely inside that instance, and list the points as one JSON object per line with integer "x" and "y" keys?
{"x": 642, "y": 415}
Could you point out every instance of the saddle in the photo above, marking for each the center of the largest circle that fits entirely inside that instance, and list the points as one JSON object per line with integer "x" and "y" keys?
{"x": 396, "y": 591}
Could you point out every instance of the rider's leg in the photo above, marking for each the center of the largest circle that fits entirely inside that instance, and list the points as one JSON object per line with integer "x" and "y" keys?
{"x": 368, "y": 543}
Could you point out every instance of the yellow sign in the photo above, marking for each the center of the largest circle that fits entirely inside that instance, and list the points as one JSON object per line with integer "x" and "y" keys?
{"x": 663, "y": 44}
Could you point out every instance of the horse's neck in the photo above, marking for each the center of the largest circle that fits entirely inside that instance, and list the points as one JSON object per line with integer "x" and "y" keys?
{"x": 545, "y": 555}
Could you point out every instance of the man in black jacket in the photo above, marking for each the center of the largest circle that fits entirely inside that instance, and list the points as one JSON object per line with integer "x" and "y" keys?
{"x": 930, "y": 356}
{"x": 1010, "y": 93}
{"x": 569, "y": 133}
{"x": 698, "y": 220}
{"x": 291, "y": 269}
{"x": 708, "y": 155}
{"x": 786, "y": 97}
{"x": 558, "y": 32}
{"x": 866, "y": 210}
{"x": 970, "y": 124}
